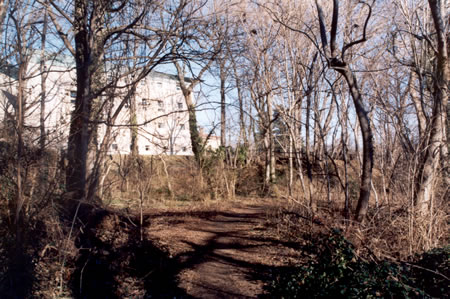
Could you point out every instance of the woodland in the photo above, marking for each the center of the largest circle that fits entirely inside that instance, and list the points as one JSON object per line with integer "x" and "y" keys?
{"x": 332, "y": 176}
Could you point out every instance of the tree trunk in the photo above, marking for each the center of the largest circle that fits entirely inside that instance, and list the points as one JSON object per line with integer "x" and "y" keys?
{"x": 271, "y": 149}
{"x": 429, "y": 172}
{"x": 367, "y": 137}
{"x": 18, "y": 219}
{"x": 242, "y": 130}
{"x": 266, "y": 141}
{"x": 134, "y": 149}
{"x": 291, "y": 165}
{"x": 86, "y": 59}
{"x": 342, "y": 67}
{"x": 344, "y": 137}
{"x": 196, "y": 140}
{"x": 312, "y": 203}
{"x": 3, "y": 9}
{"x": 222, "y": 104}
{"x": 418, "y": 106}
{"x": 43, "y": 70}
{"x": 77, "y": 148}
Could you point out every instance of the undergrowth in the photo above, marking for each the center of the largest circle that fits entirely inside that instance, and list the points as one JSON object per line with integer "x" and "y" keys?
{"x": 334, "y": 270}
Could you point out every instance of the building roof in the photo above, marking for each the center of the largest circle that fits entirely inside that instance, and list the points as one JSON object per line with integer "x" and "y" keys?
{"x": 168, "y": 76}
{"x": 12, "y": 99}
{"x": 61, "y": 60}
{"x": 10, "y": 70}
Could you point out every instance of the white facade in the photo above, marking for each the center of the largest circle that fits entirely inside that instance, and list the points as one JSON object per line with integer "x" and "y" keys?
{"x": 58, "y": 106}
{"x": 212, "y": 141}
{"x": 162, "y": 118}
{"x": 161, "y": 113}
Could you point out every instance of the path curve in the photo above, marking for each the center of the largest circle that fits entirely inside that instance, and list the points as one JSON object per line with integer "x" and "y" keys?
{"x": 222, "y": 254}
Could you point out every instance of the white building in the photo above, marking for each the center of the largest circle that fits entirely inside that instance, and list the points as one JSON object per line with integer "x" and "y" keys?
{"x": 162, "y": 119}
{"x": 212, "y": 141}
{"x": 161, "y": 112}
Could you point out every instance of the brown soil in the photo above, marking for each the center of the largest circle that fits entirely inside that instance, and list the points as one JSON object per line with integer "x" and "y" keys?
{"x": 223, "y": 254}
{"x": 226, "y": 250}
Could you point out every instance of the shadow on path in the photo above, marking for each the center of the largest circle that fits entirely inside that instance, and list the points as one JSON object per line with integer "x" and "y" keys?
{"x": 231, "y": 259}
{"x": 115, "y": 263}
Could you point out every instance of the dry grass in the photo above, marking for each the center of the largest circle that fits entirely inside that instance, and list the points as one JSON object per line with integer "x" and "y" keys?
{"x": 175, "y": 185}
{"x": 390, "y": 230}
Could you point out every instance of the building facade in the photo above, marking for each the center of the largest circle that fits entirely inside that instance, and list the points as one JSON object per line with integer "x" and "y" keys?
{"x": 161, "y": 118}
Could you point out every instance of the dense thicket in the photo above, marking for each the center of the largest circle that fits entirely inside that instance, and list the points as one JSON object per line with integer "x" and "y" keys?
{"x": 335, "y": 105}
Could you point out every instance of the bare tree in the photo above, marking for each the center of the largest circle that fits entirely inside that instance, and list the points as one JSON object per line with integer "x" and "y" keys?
{"x": 435, "y": 148}
{"x": 337, "y": 62}
{"x": 196, "y": 58}
{"x": 21, "y": 38}
{"x": 20, "y": 41}
{"x": 3, "y": 12}
{"x": 262, "y": 62}
{"x": 419, "y": 44}
{"x": 98, "y": 28}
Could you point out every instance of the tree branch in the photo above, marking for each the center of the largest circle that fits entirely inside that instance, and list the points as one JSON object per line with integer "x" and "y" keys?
{"x": 67, "y": 17}
{"x": 323, "y": 30}
{"x": 60, "y": 31}
{"x": 363, "y": 38}
{"x": 334, "y": 24}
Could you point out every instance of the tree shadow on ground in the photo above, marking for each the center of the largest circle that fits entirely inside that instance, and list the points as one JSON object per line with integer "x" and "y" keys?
{"x": 115, "y": 263}
{"x": 18, "y": 258}
{"x": 228, "y": 247}
{"x": 18, "y": 279}
{"x": 214, "y": 250}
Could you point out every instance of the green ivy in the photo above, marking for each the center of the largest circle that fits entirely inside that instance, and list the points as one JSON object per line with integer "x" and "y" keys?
{"x": 434, "y": 282}
{"x": 337, "y": 272}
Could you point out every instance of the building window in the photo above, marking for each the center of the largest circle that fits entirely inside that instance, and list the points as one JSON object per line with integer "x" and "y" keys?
{"x": 114, "y": 147}
{"x": 144, "y": 102}
{"x": 180, "y": 105}
{"x": 182, "y": 127}
{"x": 160, "y": 105}
{"x": 184, "y": 149}
{"x": 147, "y": 148}
{"x": 73, "y": 94}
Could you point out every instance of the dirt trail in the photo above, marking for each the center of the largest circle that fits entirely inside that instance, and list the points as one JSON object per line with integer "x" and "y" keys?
{"x": 222, "y": 250}
{"x": 222, "y": 254}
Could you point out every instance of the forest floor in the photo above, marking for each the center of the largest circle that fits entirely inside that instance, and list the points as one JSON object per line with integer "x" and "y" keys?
{"x": 218, "y": 250}
{"x": 226, "y": 253}
{"x": 184, "y": 249}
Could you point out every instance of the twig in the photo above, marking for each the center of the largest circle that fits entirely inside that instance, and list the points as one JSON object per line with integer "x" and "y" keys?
{"x": 129, "y": 219}
{"x": 428, "y": 270}
{"x": 81, "y": 275}
{"x": 418, "y": 267}
{"x": 65, "y": 245}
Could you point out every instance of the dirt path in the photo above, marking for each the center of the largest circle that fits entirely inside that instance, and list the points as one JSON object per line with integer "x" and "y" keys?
{"x": 222, "y": 254}
{"x": 220, "y": 250}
